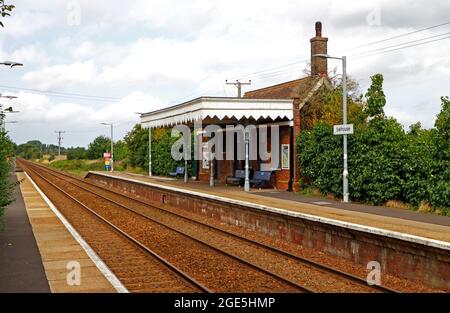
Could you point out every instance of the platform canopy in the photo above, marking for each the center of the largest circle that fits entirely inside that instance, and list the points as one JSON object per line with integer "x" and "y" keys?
{"x": 219, "y": 108}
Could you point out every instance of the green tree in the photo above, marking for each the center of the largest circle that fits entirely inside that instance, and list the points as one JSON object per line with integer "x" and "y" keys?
{"x": 137, "y": 143}
{"x": 5, "y": 10}
{"x": 97, "y": 147}
{"x": 121, "y": 151}
{"x": 162, "y": 141}
{"x": 385, "y": 162}
{"x": 78, "y": 153}
{"x": 376, "y": 99}
{"x": 418, "y": 164}
{"x": 6, "y": 145}
{"x": 376, "y": 157}
{"x": 31, "y": 150}
{"x": 442, "y": 123}
{"x": 439, "y": 182}
{"x": 6, "y": 187}
{"x": 332, "y": 104}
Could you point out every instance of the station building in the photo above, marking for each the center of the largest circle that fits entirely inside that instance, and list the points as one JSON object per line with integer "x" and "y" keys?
{"x": 284, "y": 105}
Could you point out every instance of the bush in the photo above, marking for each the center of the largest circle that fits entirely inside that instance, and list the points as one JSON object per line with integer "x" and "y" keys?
{"x": 320, "y": 159}
{"x": 162, "y": 161}
{"x": 96, "y": 148}
{"x": 385, "y": 162}
{"x": 78, "y": 153}
{"x": 6, "y": 187}
{"x": 78, "y": 166}
{"x": 375, "y": 157}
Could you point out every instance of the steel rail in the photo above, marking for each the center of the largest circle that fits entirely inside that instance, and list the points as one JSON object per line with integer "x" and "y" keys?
{"x": 317, "y": 265}
{"x": 241, "y": 260}
{"x": 175, "y": 269}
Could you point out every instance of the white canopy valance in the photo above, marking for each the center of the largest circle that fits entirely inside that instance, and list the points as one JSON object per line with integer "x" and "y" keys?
{"x": 219, "y": 107}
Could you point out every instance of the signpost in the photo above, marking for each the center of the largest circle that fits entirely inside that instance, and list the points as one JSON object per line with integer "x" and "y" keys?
{"x": 343, "y": 129}
{"x": 107, "y": 159}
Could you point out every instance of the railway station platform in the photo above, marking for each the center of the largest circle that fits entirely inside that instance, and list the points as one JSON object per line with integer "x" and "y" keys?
{"x": 52, "y": 257}
{"x": 407, "y": 245}
{"x": 397, "y": 220}
{"x": 21, "y": 268}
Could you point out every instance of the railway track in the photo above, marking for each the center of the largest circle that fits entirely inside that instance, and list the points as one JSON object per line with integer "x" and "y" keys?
{"x": 205, "y": 264}
{"x": 352, "y": 283}
{"x": 128, "y": 258}
{"x": 141, "y": 207}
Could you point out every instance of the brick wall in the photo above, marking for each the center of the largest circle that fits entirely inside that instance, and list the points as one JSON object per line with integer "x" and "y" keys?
{"x": 408, "y": 260}
{"x": 227, "y": 167}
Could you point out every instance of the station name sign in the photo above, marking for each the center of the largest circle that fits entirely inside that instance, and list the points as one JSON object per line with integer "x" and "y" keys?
{"x": 343, "y": 129}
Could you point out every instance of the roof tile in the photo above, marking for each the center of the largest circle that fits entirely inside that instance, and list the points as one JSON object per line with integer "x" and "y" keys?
{"x": 298, "y": 88}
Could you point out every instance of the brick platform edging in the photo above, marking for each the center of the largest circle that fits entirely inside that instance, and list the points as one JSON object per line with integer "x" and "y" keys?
{"x": 104, "y": 269}
{"x": 362, "y": 228}
{"x": 422, "y": 260}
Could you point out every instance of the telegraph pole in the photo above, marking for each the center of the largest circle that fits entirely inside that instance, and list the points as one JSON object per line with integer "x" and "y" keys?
{"x": 239, "y": 85}
{"x": 60, "y": 138}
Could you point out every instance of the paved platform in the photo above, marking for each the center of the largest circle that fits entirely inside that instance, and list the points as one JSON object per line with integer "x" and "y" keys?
{"x": 21, "y": 268}
{"x": 396, "y": 220}
{"x": 58, "y": 246}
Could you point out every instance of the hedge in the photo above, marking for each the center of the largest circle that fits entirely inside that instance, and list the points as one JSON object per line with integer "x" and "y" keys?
{"x": 385, "y": 163}
{"x": 162, "y": 141}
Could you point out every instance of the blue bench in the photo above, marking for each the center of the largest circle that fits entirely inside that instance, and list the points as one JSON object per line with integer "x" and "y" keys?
{"x": 237, "y": 179}
{"x": 261, "y": 178}
{"x": 178, "y": 171}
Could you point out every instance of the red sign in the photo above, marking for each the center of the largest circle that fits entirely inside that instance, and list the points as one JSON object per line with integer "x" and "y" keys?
{"x": 107, "y": 155}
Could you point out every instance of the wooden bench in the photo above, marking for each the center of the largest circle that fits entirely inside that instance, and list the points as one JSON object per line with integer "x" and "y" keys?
{"x": 178, "y": 171}
{"x": 261, "y": 179}
{"x": 237, "y": 179}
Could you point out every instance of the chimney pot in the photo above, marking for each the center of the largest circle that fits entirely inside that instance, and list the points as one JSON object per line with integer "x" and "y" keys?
{"x": 319, "y": 66}
{"x": 318, "y": 29}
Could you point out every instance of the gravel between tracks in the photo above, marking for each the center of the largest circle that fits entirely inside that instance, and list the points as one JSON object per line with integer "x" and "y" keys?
{"x": 125, "y": 259}
{"x": 282, "y": 265}
{"x": 218, "y": 272}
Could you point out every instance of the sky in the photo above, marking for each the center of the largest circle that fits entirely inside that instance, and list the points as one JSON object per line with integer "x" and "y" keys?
{"x": 88, "y": 62}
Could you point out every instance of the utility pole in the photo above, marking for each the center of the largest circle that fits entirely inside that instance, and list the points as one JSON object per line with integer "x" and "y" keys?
{"x": 239, "y": 85}
{"x": 60, "y": 138}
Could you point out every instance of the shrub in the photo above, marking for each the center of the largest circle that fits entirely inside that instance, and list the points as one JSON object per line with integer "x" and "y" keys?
{"x": 162, "y": 141}
{"x": 6, "y": 187}
{"x": 385, "y": 162}
{"x": 375, "y": 156}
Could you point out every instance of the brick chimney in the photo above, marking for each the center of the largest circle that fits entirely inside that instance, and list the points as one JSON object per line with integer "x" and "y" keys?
{"x": 319, "y": 66}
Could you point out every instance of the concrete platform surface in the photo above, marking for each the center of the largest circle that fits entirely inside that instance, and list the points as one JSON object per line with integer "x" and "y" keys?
{"x": 396, "y": 220}
{"x": 21, "y": 268}
{"x": 59, "y": 249}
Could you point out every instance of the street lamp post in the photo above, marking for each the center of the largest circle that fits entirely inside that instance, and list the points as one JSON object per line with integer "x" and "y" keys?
{"x": 8, "y": 97}
{"x": 149, "y": 147}
{"x": 3, "y": 115}
{"x": 11, "y": 63}
{"x": 8, "y": 122}
{"x": 247, "y": 164}
{"x": 112, "y": 144}
{"x": 344, "y": 117}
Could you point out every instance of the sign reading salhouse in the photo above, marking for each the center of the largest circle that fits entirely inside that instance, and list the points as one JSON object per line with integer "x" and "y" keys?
{"x": 343, "y": 129}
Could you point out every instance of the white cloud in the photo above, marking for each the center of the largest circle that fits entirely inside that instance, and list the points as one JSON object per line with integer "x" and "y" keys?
{"x": 24, "y": 23}
{"x": 42, "y": 109}
{"x": 175, "y": 50}
{"x": 62, "y": 75}
{"x": 30, "y": 55}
